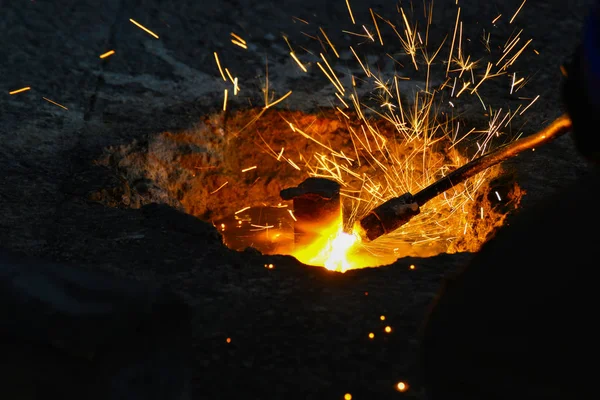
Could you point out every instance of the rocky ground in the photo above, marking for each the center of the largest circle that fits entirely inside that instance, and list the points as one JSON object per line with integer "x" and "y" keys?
{"x": 294, "y": 331}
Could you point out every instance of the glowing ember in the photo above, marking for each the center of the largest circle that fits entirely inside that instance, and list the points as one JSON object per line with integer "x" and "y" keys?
{"x": 401, "y": 387}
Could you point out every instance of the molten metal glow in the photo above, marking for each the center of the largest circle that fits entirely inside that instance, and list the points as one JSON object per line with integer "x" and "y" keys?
{"x": 401, "y": 387}
{"x": 332, "y": 248}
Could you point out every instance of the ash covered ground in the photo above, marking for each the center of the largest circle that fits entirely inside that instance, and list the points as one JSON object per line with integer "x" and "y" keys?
{"x": 296, "y": 332}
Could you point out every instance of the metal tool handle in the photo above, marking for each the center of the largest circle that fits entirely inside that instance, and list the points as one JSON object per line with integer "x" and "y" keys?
{"x": 558, "y": 127}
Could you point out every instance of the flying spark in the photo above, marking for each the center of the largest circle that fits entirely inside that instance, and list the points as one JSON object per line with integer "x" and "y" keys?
{"x": 55, "y": 103}
{"x": 350, "y": 11}
{"x": 238, "y": 41}
{"x": 19, "y": 90}
{"x": 242, "y": 210}
{"x": 107, "y": 54}
{"x": 142, "y": 27}
{"x": 302, "y": 67}
{"x": 219, "y": 66}
{"x": 219, "y": 188}
{"x": 517, "y": 12}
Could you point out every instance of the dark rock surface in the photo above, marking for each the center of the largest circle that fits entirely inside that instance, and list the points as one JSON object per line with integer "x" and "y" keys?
{"x": 295, "y": 332}
{"x": 76, "y": 333}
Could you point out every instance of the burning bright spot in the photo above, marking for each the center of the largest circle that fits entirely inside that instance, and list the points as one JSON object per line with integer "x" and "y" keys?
{"x": 333, "y": 249}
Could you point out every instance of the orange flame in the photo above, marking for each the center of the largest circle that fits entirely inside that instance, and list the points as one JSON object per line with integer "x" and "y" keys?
{"x": 331, "y": 248}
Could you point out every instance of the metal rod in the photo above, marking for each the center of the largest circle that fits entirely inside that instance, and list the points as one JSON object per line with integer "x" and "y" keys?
{"x": 390, "y": 215}
{"x": 558, "y": 127}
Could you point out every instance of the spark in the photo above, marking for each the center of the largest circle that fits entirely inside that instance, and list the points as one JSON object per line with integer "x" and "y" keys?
{"x": 388, "y": 329}
{"x": 498, "y": 196}
{"x": 401, "y": 387}
{"x": 229, "y": 75}
{"x": 236, "y": 88}
{"x": 517, "y": 12}
{"x": 515, "y": 82}
{"x": 465, "y": 86}
{"x": 516, "y": 55}
{"x": 329, "y": 42}
{"x": 453, "y": 39}
{"x": 338, "y": 85}
{"x": 238, "y": 38}
{"x": 225, "y": 100}
{"x": 371, "y": 335}
{"x": 219, "y": 65}
{"x": 24, "y": 89}
{"x": 342, "y": 112}
{"x": 282, "y": 98}
{"x": 219, "y": 188}
{"x": 341, "y": 100}
{"x": 376, "y": 26}
{"x": 242, "y": 210}
{"x": 301, "y": 20}
{"x": 142, "y": 27}
{"x": 339, "y": 89}
{"x": 496, "y": 19}
{"x": 350, "y": 11}
{"x": 293, "y": 164}
{"x": 530, "y": 104}
{"x": 243, "y": 45}
{"x": 563, "y": 71}
{"x": 55, "y": 103}
{"x": 367, "y": 72}
{"x": 302, "y": 67}
{"x": 292, "y": 215}
{"x": 371, "y": 38}
{"x": 107, "y": 54}
{"x": 260, "y": 227}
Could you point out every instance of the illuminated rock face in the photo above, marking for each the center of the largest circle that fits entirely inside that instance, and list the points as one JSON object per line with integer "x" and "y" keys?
{"x": 235, "y": 178}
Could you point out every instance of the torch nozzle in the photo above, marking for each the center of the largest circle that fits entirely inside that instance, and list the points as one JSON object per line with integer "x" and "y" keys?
{"x": 389, "y": 216}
